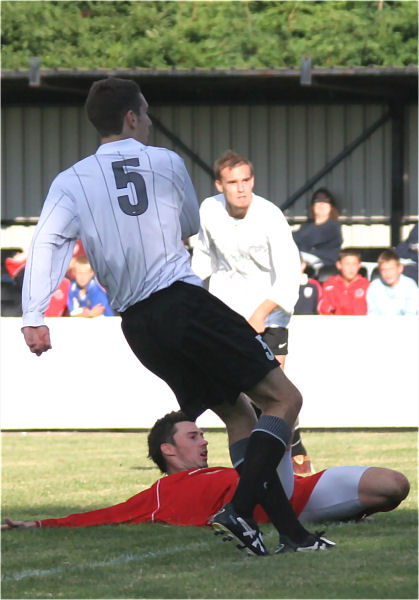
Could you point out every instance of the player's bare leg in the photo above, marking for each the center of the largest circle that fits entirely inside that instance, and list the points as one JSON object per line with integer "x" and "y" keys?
{"x": 239, "y": 419}
{"x": 382, "y": 489}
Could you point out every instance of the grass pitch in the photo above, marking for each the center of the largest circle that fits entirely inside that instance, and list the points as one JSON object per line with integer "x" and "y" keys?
{"x": 54, "y": 474}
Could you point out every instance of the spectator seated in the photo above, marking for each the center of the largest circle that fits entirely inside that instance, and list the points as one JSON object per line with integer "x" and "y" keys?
{"x": 346, "y": 292}
{"x": 392, "y": 293}
{"x": 325, "y": 272}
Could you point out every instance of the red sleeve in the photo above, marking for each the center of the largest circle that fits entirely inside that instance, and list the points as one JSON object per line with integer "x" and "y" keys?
{"x": 326, "y": 305}
{"x": 317, "y": 286}
{"x": 186, "y": 498}
{"x": 58, "y": 303}
{"x": 137, "y": 509}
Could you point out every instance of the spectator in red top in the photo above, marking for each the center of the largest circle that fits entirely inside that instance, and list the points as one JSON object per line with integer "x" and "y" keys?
{"x": 15, "y": 266}
{"x": 58, "y": 303}
{"x": 346, "y": 293}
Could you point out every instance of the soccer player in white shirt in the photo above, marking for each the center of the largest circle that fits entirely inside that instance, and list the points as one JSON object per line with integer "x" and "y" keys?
{"x": 132, "y": 205}
{"x": 246, "y": 247}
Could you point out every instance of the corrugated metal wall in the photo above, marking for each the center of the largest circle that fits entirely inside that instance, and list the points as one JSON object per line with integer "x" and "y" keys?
{"x": 287, "y": 145}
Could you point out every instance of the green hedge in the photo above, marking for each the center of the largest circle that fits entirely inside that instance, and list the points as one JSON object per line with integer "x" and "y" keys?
{"x": 209, "y": 34}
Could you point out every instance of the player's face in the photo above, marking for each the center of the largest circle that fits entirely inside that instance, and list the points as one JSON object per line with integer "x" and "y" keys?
{"x": 143, "y": 123}
{"x": 349, "y": 267}
{"x": 237, "y": 186}
{"x": 190, "y": 447}
{"x": 390, "y": 272}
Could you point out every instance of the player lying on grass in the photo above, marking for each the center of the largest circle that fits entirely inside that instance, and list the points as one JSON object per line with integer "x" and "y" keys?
{"x": 191, "y": 492}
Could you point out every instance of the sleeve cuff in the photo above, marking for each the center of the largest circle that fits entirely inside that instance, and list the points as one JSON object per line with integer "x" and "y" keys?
{"x": 33, "y": 319}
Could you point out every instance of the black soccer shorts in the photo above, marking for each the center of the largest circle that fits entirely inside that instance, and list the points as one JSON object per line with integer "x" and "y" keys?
{"x": 203, "y": 350}
{"x": 277, "y": 339}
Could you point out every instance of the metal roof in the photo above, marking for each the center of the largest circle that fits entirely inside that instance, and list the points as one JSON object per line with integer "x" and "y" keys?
{"x": 279, "y": 85}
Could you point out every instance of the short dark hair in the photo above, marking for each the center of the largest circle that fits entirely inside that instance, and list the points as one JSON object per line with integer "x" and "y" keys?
{"x": 108, "y": 102}
{"x": 388, "y": 255}
{"x": 162, "y": 432}
{"x": 350, "y": 252}
{"x": 230, "y": 159}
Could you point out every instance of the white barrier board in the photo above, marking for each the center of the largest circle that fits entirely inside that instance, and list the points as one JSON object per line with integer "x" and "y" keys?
{"x": 352, "y": 371}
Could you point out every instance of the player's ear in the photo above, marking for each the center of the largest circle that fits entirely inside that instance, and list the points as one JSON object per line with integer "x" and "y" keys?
{"x": 131, "y": 119}
{"x": 219, "y": 185}
{"x": 167, "y": 449}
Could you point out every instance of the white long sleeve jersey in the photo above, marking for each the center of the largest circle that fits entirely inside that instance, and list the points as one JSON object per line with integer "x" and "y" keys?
{"x": 131, "y": 205}
{"x": 249, "y": 260}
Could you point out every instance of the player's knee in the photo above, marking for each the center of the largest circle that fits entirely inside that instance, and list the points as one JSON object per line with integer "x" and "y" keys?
{"x": 395, "y": 488}
{"x": 298, "y": 400}
{"x": 382, "y": 489}
{"x": 293, "y": 397}
{"x": 399, "y": 487}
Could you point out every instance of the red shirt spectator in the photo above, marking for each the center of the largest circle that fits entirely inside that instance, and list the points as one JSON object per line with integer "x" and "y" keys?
{"x": 58, "y": 303}
{"x": 340, "y": 298}
{"x": 345, "y": 294}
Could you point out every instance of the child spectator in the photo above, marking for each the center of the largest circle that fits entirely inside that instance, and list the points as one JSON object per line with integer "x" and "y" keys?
{"x": 86, "y": 297}
{"x": 346, "y": 293}
{"x": 78, "y": 251}
{"x": 310, "y": 294}
{"x": 392, "y": 293}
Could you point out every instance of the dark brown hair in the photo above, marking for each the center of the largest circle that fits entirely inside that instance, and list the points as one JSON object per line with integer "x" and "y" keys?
{"x": 162, "y": 432}
{"x": 108, "y": 102}
{"x": 349, "y": 252}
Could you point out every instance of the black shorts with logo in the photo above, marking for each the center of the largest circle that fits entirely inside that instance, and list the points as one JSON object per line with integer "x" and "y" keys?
{"x": 203, "y": 350}
{"x": 277, "y": 339}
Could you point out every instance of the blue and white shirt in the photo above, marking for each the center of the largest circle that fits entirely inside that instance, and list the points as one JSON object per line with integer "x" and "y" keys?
{"x": 92, "y": 295}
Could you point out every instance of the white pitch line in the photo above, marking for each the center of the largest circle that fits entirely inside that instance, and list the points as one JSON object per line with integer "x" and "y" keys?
{"x": 118, "y": 560}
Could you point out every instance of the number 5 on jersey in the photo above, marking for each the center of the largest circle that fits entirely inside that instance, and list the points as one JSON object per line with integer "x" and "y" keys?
{"x": 122, "y": 179}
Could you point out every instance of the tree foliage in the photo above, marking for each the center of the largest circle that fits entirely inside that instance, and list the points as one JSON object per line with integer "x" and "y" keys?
{"x": 208, "y": 34}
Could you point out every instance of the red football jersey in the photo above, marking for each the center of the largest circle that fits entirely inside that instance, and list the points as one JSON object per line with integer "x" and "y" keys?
{"x": 186, "y": 498}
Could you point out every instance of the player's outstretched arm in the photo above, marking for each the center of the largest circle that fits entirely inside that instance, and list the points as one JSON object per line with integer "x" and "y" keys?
{"x": 17, "y": 524}
{"x": 37, "y": 338}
